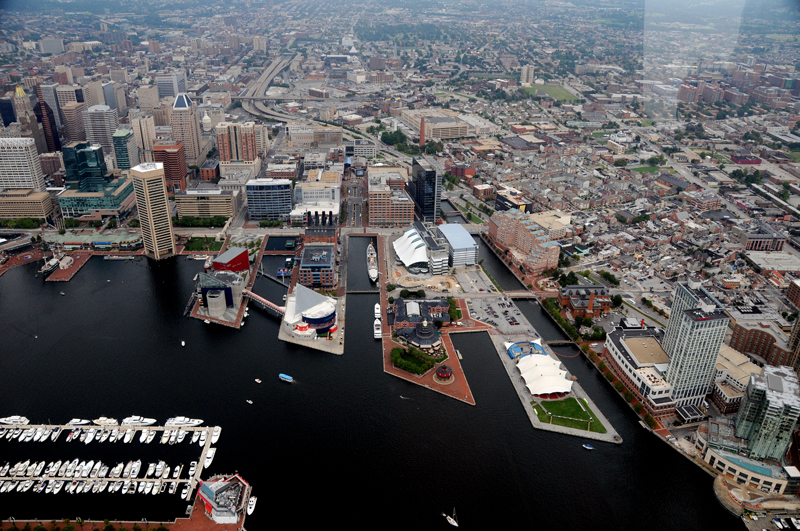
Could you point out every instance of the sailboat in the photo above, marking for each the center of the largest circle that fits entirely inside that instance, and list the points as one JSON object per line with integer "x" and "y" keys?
{"x": 451, "y": 520}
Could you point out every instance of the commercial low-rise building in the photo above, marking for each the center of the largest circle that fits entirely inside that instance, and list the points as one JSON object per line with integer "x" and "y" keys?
{"x": 207, "y": 203}
{"x": 26, "y": 203}
{"x": 586, "y": 301}
{"x": 318, "y": 266}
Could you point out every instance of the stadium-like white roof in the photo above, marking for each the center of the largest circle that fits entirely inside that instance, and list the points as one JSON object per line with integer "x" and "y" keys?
{"x": 410, "y": 248}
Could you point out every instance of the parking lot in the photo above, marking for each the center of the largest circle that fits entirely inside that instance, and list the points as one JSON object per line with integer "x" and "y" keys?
{"x": 499, "y": 312}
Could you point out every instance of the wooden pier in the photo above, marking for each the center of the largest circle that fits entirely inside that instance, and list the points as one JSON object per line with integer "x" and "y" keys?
{"x": 191, "y": 482}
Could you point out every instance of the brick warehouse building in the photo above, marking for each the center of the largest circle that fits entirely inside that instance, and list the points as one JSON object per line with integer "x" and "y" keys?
{"x": 586, "y": 301}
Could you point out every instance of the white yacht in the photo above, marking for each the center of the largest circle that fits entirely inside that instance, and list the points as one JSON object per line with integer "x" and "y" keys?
{"x": 195, "y": 436}
{"x": 377, "y": 310}
{"x": 58, "y": 486}
{"x": 185, "y": 493}
{"x": 159, "y": 468}
{"x": 165, "y": 474}
{"x": 143, "y": 436}
{"x": 215, "y": 434}
{"x": 78, "y": 422}
{"x": 138, "y": 421}
{"x": 117, "y": 470}
{"x": 181, "y": 436}
{"x": 183, "y": 421}
{"x": 129, "y": 435}
{"x": 173, "y": 487}
{"x": 54, "y": 469}
{"x": 203, "y": 437}
{"x": 377, "y": 329}
{"x": 14, "y": 419}
{"x": 150, "y": 436}
{"x": 192, "y": 468}
{"x": 135, "y": 468}
{"x": 90, "y": 436}
{"x": 105, "y": 421}
{"x": 55, "y": 434}
{"x": 126, "y": 473}
{"x": 209, "y": 457}
{"x": 71, "y": 468}
{"x": 372, "y": 263}
{"x": 156, "y": 486}
{"x": 251, "y": 505}
{"x": 165, "y": 436}
{"x": 87, "y": 469}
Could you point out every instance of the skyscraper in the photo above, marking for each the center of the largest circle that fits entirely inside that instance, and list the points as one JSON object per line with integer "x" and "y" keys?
{"x": 100, "y": 122}
{"x": 237, "y": 142}
{"x": 186, "y": 126}
{"x": 27, "y": 119}
{"x": 153, "y": 205}
{"x": 769, "y": 412}
{"x": 173, "y": 157}
{"x": 19, "y": 164}
{"x": 694, "y": 335}
{"x": 148, "y": 97}
{"x": 85, "y": 167}
{"x": 7, "y": 114}
{"x": 144, "y": 130}
{"x": 108, "y": 95}
{"x": 527, "y": 74}
{"x": 74, "y": 130}
{"x": 47, "y": 117}
{"x": 125, "y": 149}
{"x": 425, "y": 188}
{"x": 94, "y": 94}
{"x": 48, "y": 94}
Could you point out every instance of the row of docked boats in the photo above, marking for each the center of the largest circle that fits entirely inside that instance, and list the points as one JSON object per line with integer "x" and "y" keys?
{"x": 86, "y": 434}
{"x": 106, "y": 421}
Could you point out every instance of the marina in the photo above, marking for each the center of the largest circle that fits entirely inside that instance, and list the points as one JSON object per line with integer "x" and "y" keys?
{"x": 93, "y": 476}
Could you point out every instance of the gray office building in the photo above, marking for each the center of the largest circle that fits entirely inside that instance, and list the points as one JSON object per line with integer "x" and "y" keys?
{"x": 269, "y": 199}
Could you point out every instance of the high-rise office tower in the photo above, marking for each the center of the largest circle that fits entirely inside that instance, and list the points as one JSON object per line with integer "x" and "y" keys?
{"x": 74, "y": 130}
{"x": 694, "y": 335}
{"x": 93, "y": 92}
{"x": 7, "y": 114}
{"x": 108, "y": 95}
{"x": 48, "y": 94}
{"x": 237, "y": 142}
{"x": 769, "y": 411}
{"x": 46, "y": 117}
{"x": 19, "y": 165}
{"x": 148, "y": 97}
{"x": 125, "y": 149}
{"x": 100, "y": 122}
{"x": 527, "y": 74}
{"x": 153, "y": 205}
{"x": 426, "y": 190}
{"x": 27, "y": 119}
{"x": 170, "y": 85}
{"x": 120, "y": 100}
{"x": 144, "y": 130}
{"x": 66, "y": 94}
{"x": 173, "y": 157}
{"x": 85, "y": 167}
{"x": 186, "y": 126}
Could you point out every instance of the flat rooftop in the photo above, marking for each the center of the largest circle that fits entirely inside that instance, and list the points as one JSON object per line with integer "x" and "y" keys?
{"x": 646, "y": 350}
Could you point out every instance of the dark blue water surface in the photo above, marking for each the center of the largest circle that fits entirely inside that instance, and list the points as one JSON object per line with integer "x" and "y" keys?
{"x": 338, "y": 447}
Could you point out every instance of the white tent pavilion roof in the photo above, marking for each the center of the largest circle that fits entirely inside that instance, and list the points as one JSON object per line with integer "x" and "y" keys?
{"x": 549, "y": 384}
{"x": 410, "y": 248}
{"x": 529, "y": 362}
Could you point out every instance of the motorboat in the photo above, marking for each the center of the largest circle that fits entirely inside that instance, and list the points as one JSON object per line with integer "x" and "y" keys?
{"x": 588, "y": 446}
{"x": 192, "y": 468}
{"x": 54, "y": 469}
{"x": 103, "y": 486}
{"x": 185, "y": 493}
{"x": 173, "y": 487}
{"x": 78, "y": 422}
{"x": 38, "y": 434}
{"x": 4, "y": 470}
{"x": 150, "y": 436}
{"x": 249, "y": 402}
{"x": 58, "y": 486}
{"x": 286, "y": 378}
{"x": 87, "y": 469}
{"x": 96, "y": 469}
{"x": 104, "y": 437}
{"x": 183, "y": 421}
{"x": 251, "y": 505}
{"x": 209, "y": 457}
{"x": 40, "y": 487}
{"x": 89, "y": 436}
{"x": 377, "y": 329}
{"x": 37, "y": 472}
{"x": 50, "y": 485}
{"x": 258, "y": 381}
{"x": 31, "y": 469}
{"x": 203, "y": 437}
{"x": 137, "y": 421}
{"x": 141, "y": 487}
{"x": 372, "y": 263}
{"x": 377, "y": 310}
{"x": 195, "y": 437}
{"x": 183, "y": 343}
{"x": 159, "y": 468}
{"x": 173, "y": 437}
{"x": 165, "y": 474}
{"x": 114, "y": 437}
{"x": 103, "y": 471}
{"x": 215, "y": 434}
{"x": 88, "y": 486}
{"x": 62, "y": 470}
{"x": 125, "y": 486}
{"x": 165, "y": 436}
{"x": 148, "y": 487}
{"x": 177, "y": 472}
{"x": 128, "y": 435}
{"x": 150, "y": 469}
{"x": 29, "y": 435}
{"x": 143, "y": 436}
{"x": 71, "y": 468}
{"x": 156, "y": 486}
{"x": 55, "y": 434}
{"x": 181, "y": 436}
{"x": 126, "y": 473}
{"x": 162, "y": 488}
{"x": 105, "y": 421}
{"x": 117, "y": 470}
{"x": 135, "y": 468}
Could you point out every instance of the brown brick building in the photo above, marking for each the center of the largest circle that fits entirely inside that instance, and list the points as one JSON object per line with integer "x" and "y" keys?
{"x": 586, "y": 301}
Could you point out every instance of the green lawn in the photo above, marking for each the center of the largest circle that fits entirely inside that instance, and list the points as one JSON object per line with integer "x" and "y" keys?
{"x": 578, "y": 417}
{"x": 648, "y": 169}
{"x": 203, "y": 244}
{"x": 555, "y": 92}
{"x": 795, "y": 155}
{"x": 600, "y": 134}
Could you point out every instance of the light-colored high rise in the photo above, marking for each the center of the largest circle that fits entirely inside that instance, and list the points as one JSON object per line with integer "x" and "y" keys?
{"x": 19, "y": 165}
{"x": 527, "y": 75}
{"x": 170, "y": 85}
{"x": 186, "y": 127}
{"x": 68, "y": 93}
{"x": 100, "y": 122}
{"x": 27, "y": 118}
{"x": 153, "y": 205}
{"x": 72, "y": 117}
{"x": 93, "y": 92}
{"x": 144, "y": 130}
{"x": 237, "y": 141}
{"x": 148, "y": 97}
{"x": 695, "y": 331}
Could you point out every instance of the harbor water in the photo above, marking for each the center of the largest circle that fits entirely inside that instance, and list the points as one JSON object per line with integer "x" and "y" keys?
{"x": 347, "y": 443}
